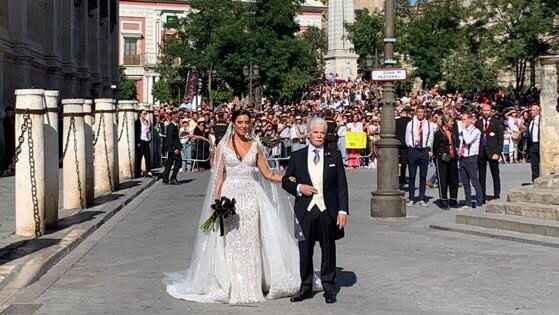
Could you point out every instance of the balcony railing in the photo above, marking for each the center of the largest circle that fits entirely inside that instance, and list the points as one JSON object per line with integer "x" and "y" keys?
{"x": 141, "y": 59}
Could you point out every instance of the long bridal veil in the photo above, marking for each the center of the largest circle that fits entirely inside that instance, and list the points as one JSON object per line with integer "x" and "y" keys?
{"x": 207, "y": 278}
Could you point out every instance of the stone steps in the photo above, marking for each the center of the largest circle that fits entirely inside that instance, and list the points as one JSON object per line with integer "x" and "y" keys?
{"x": 533, "y": 239}
{"x": 507, "y": 222}
{"x": 539, "y": 195}
{"x": 524, "y": 209}
{"x": 551, "y": 181}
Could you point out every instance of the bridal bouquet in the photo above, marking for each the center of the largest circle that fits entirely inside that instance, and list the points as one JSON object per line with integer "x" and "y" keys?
{"x": 223, "y": 208}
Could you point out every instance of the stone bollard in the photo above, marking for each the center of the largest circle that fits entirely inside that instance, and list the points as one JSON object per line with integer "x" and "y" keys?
{"x": 74, "y": 165}
{"x": 106, "y": 152}
{"x": 52, "y": 175}
{"x": 30, "y": 179}
{"x": 89, "y": 151}
{"x": 126, "y": 139}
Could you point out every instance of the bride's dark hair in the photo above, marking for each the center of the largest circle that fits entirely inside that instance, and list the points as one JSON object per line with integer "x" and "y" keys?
{"x": 239, "y": 112}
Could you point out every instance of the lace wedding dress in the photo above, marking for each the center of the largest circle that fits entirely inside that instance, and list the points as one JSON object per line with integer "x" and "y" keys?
{"x": 258, "y": 258}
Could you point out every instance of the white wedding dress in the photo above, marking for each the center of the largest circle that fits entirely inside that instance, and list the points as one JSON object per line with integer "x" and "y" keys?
{"x": 258, "y": 257}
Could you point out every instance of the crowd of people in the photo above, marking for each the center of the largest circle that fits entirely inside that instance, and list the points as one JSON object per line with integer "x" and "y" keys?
{"x": 509, "y": 133}
{"x": 506, "y": 134}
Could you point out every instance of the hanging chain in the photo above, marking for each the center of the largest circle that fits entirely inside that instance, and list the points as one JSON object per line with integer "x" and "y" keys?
{"x": 27, "y": 127}
{"x": 124, "y": 123}
{"x": 100, "y": 124}
{"x": 76, "y": 161}
{"x": 32, "y": 176}
{"x": 129, "y": 153}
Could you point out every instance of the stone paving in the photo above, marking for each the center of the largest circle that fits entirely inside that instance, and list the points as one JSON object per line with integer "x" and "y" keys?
{"x": 386, "y": 266}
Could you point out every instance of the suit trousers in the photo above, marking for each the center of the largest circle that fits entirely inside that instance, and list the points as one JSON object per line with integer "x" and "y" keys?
{"x": 494, "y": 168}
{"x": 534, "y": 155}
{"x": 418, "y": 158}
{"x": 318, "y": 226}
{"x": 174, "y": 161}
{"x": 143, "y": 152}
{"x": 448, "y": 179}
{"x": 469, "y": 174}
{"x": 403, "y": 159}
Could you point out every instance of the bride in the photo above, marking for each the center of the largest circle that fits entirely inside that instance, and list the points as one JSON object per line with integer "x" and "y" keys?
{"x": 258, "y": 258}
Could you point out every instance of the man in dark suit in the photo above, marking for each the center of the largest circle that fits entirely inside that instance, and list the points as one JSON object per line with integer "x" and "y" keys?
{"x": 316, "y": 177}
{"x": 173, "y": 149}
{"x": 534, "y": 141}
{"x": 401, "y": 125}
{"x": 490, "y": 148}
{"x": 220, "y": 127}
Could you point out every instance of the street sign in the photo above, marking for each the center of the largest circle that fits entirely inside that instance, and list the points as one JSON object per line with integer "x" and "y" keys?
{"x": 392, "y": 74}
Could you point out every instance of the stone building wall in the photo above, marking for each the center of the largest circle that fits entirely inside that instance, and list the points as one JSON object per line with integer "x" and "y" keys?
{"x": 66, "y": 45}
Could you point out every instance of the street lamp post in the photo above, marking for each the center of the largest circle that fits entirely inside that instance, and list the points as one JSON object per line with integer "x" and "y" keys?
{"x": 388, "y": 201}
{"x": 251, "y": 71}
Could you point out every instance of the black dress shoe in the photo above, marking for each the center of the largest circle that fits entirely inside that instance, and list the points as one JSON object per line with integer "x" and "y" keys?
{"x": 330, "y": 298}
{"x": 174, "y": 182}
{"x": 300, "y": 296}
{"x": 166, "y": 182}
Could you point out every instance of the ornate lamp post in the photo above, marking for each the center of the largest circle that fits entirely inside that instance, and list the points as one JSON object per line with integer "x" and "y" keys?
{"x": 388, "y": 201}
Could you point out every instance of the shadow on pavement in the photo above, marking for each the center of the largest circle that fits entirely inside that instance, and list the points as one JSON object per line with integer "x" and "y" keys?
{"x": 345, "y": 278}
{"x": 23, "y": 248}
{"x": 129, "y": 184}
{"x": 107, "y": 198}
{"x": 77, "y": 218}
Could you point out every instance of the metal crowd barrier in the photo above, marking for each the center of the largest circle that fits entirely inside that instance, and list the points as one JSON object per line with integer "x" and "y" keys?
{"x": 277, "y": 152}
{"x": 200, "y": 153}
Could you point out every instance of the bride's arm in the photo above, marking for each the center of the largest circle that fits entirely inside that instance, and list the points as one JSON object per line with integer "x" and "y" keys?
{"x": 218, "y": 168}
{"x": 264, "y": 168}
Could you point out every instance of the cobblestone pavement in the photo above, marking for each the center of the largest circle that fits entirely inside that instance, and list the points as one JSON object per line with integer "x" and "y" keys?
{"x": 387, "y": 267}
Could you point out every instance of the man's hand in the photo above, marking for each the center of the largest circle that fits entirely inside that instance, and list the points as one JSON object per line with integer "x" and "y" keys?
{"x": 495, "y": 157}
{"x": 342, "y": 220}
{"x": 307, "y": 190}
{"x": 177, "y": 151}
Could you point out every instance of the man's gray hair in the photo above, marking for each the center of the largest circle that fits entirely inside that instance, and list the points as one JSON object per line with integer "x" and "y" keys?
{"x": 316, "y": 121}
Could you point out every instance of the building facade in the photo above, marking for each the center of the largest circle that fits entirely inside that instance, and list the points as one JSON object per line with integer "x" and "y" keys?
{"x": 142, "y": 30}
{"x": 65, "y": 45}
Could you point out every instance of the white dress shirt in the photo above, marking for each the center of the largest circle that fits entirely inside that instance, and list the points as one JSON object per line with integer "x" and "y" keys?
{"x": 469, "y": 140}
{"x": 316, "y": 172}
{"x": 535, "y": 129}
{"x": 145, "y": 131}
{"x": 428, "y": 130}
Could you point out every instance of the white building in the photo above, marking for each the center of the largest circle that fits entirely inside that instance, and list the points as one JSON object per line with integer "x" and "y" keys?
{"x": 142, "y": 28}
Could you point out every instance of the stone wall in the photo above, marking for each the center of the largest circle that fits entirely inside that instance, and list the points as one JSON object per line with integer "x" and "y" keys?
{"x": 549, "y": 140}
{"x": 46, "y": 44}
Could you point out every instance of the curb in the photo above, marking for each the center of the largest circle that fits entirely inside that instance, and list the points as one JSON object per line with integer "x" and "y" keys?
{"x": 37, "y": 264}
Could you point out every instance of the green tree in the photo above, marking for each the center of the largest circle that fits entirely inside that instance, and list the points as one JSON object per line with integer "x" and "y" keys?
{"x": 431, "y": 36}
{"x": 520, "y": 32}
{"x": 318, "y": 41}
{"x": 367, "y": 34}
{"x": 126, "y": 87}
{"x": 162, "y": 91}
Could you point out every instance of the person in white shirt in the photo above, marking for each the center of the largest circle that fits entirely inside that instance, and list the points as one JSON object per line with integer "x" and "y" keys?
{"x": 298, "y": 134}
{"x": 143, "y": 138}
{"x": 468, "y": 152}
{"x": 534, "y": 141}
{"x": 419, "y": 140}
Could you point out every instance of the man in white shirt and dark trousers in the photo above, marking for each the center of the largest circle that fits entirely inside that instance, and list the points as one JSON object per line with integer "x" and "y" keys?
{"x": 534, "y": 141}
{"x": 143, "y": 139}
{"x": 419, "y": 139}
{"x": 468, "y": 165}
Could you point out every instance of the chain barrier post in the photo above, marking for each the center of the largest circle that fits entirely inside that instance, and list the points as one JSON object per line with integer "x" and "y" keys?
{"x": 52, "y": 188}
{"x": 105, "y": 164}
{"x": 74, "y": 166}
{"x": 89, "y": 151}
{"x": 30, "y": 179}
{"x": 126, "y": 139}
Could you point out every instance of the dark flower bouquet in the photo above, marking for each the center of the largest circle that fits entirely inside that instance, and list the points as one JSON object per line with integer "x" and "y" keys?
{"x": 223, "y": 208}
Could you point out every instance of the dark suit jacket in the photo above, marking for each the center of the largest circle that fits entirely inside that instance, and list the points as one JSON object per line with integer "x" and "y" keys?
{"x": 401, "y": 125}
{"x": 495, "y": 137}
{"x": 173, "y": 140}
{"x": 335, "y": 188}
{"x": 441, "y": 144}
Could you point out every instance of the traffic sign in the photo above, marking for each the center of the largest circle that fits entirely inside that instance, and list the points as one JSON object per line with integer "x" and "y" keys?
{"x": 391, "y": 74}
